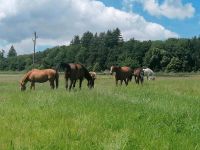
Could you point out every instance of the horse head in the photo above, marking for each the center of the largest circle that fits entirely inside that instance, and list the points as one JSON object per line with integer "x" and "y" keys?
{"x": 113, "y": 69}
{"x": 93, "y": 75}
{"x": 22, "y": 86}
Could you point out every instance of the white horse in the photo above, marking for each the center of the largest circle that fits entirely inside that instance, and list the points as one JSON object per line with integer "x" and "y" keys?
{"x": 149, "y": 73}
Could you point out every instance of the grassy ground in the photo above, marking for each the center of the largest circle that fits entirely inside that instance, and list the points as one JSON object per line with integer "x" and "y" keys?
{"x": 161, "y": 114}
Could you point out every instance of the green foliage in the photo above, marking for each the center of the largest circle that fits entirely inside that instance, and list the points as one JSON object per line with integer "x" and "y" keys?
{"x": 2, "y": 52}
{"x": 100, "y": 51}
{"x": 175, "y": 65}
{"x": 12, "y": 52}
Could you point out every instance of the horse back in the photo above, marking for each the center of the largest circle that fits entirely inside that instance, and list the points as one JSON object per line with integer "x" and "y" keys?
{"x": 76, "y": 71}
{"x": 138, "y": 71}
{"x": 124, "y": 73}
{"x": 42, "y": 75}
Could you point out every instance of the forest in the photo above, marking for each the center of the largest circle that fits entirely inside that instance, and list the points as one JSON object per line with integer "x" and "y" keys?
{"x": 98, "y": 51}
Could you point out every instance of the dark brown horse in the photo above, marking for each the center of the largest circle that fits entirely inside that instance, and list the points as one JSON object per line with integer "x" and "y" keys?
{"x": 76, "y": 72}
{"x": 122, "y": 74}
{"x": 139, "y": 75}
{"x": 40, "y": 76}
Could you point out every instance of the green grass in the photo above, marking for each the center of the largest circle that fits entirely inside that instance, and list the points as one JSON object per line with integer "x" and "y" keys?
{"x": 161, "y": 114}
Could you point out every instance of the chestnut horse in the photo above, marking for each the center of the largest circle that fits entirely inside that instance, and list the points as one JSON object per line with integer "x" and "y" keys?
{"x": 40, "y": 76}
{"x": 139, "y": 75}
{"x": 76, "y": 72}
{"x": 122, "y": 74}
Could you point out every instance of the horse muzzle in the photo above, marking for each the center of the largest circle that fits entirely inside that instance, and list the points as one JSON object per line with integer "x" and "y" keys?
{"x": 23, "y": 89}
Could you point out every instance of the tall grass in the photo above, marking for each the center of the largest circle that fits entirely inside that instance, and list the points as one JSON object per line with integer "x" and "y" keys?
{"x": 161, "y": 114}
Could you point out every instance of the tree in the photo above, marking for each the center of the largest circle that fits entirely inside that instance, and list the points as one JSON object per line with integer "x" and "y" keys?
{"x": 2, "y": 54}
{"x": 76, "y": 40}
{"x": 175, "y": 65}
{"x": 86, "y": 39}
{"x": 153, "y": 58}
{"x": 12, "y": 52}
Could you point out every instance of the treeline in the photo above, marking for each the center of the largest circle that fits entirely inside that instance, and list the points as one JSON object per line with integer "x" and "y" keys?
{"x": 99, "y": 51}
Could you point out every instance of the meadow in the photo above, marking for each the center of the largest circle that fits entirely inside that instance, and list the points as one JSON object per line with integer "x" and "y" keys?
{"x": 161, "y": 114}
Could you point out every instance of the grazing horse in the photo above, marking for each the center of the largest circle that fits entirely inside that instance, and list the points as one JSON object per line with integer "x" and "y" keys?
{"x": 139, "y": 75}
{"x": 76, "y": 72}
{"x": 40, "y": 76}
{"x": 122, "y": 74}
{"x": 94, "y": 76}
{"x": 149, "y": 73}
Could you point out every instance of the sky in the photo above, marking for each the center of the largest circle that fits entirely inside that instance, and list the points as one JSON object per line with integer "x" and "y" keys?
{"x": 57, "y": 22}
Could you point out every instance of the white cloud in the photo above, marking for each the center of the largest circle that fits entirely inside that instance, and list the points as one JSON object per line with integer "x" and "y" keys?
{"x": 173, "y": 9}
{"x": 56, "y": 22}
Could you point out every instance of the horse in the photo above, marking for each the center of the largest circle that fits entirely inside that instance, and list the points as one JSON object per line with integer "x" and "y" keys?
{"x": 76, "y": 72}
{"x": 149, "y": 73}
{"x": 94, "y": 76}
{"x": 122, "y": 74}
{"x": 139, "y": 75}
{"x": 40, "y": 76}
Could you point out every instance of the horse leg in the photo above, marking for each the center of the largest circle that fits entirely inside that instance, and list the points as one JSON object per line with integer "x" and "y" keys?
{"x": 135, "y": 79}
{"x": 121, "y": 82}
{"x": 52, "y": 84}
{"x": 142, "y": 79}
{"x": 66, "y": 83}
{"x": 126, "y": 81}
{"x": 71, "y": 83}
{"x": 74, "y": 84}
{"x": 116, "y": 82}
{"x": 33, "y": 85}
{"x": 80, "y": 83}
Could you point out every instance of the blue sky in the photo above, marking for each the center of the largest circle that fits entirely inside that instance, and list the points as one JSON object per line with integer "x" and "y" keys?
{"x": 186, "y": 28}
{"x": 57, "y": 22}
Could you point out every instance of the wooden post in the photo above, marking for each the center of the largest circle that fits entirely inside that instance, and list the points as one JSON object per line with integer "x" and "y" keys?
{"x": 34, "y": 44}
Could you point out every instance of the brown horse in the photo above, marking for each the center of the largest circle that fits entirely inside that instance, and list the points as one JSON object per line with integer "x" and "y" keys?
{"x": 76, "y": 72}
{"x": 122, "y": 74}
{"x": 94, "y": 76}
{"x": 40, "y": 76}
{"x": 139, "y": 75}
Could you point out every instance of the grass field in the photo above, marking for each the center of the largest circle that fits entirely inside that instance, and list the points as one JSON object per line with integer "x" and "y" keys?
{"x": 161, "y": 114}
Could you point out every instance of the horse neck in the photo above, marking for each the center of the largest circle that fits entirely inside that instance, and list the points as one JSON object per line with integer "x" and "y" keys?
{"x": 116, "y": 70}
{"x": 25, "y": 78}
{"x": 87, "y": 74}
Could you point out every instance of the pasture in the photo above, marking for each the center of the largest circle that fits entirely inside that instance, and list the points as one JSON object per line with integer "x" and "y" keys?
{"x": 161, "y": 114}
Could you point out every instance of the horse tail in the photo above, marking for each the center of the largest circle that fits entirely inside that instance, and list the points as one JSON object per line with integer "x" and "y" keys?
{"x": 142, "y": 76}
{"x": 57, "y": 78}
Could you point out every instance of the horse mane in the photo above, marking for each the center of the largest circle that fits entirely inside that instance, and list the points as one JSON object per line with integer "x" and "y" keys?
{"x": 24, "y": 79}
{"x": 65, "y": 66}
{"x": 87, "y": 74}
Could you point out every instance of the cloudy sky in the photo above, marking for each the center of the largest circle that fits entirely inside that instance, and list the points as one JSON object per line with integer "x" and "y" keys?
{"x": 56, "y": 22}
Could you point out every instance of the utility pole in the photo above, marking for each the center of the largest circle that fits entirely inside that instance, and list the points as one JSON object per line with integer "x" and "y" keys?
{"x": 34, "y": 44}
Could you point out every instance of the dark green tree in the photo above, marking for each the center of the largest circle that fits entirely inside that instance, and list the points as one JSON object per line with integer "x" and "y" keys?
{"x": 12, "y": 52}
{"x": 2, "y": 52}
{"x": 76, "y": 40}
{"x": 175, "y": 65}
{"x": 86, "y": 39}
